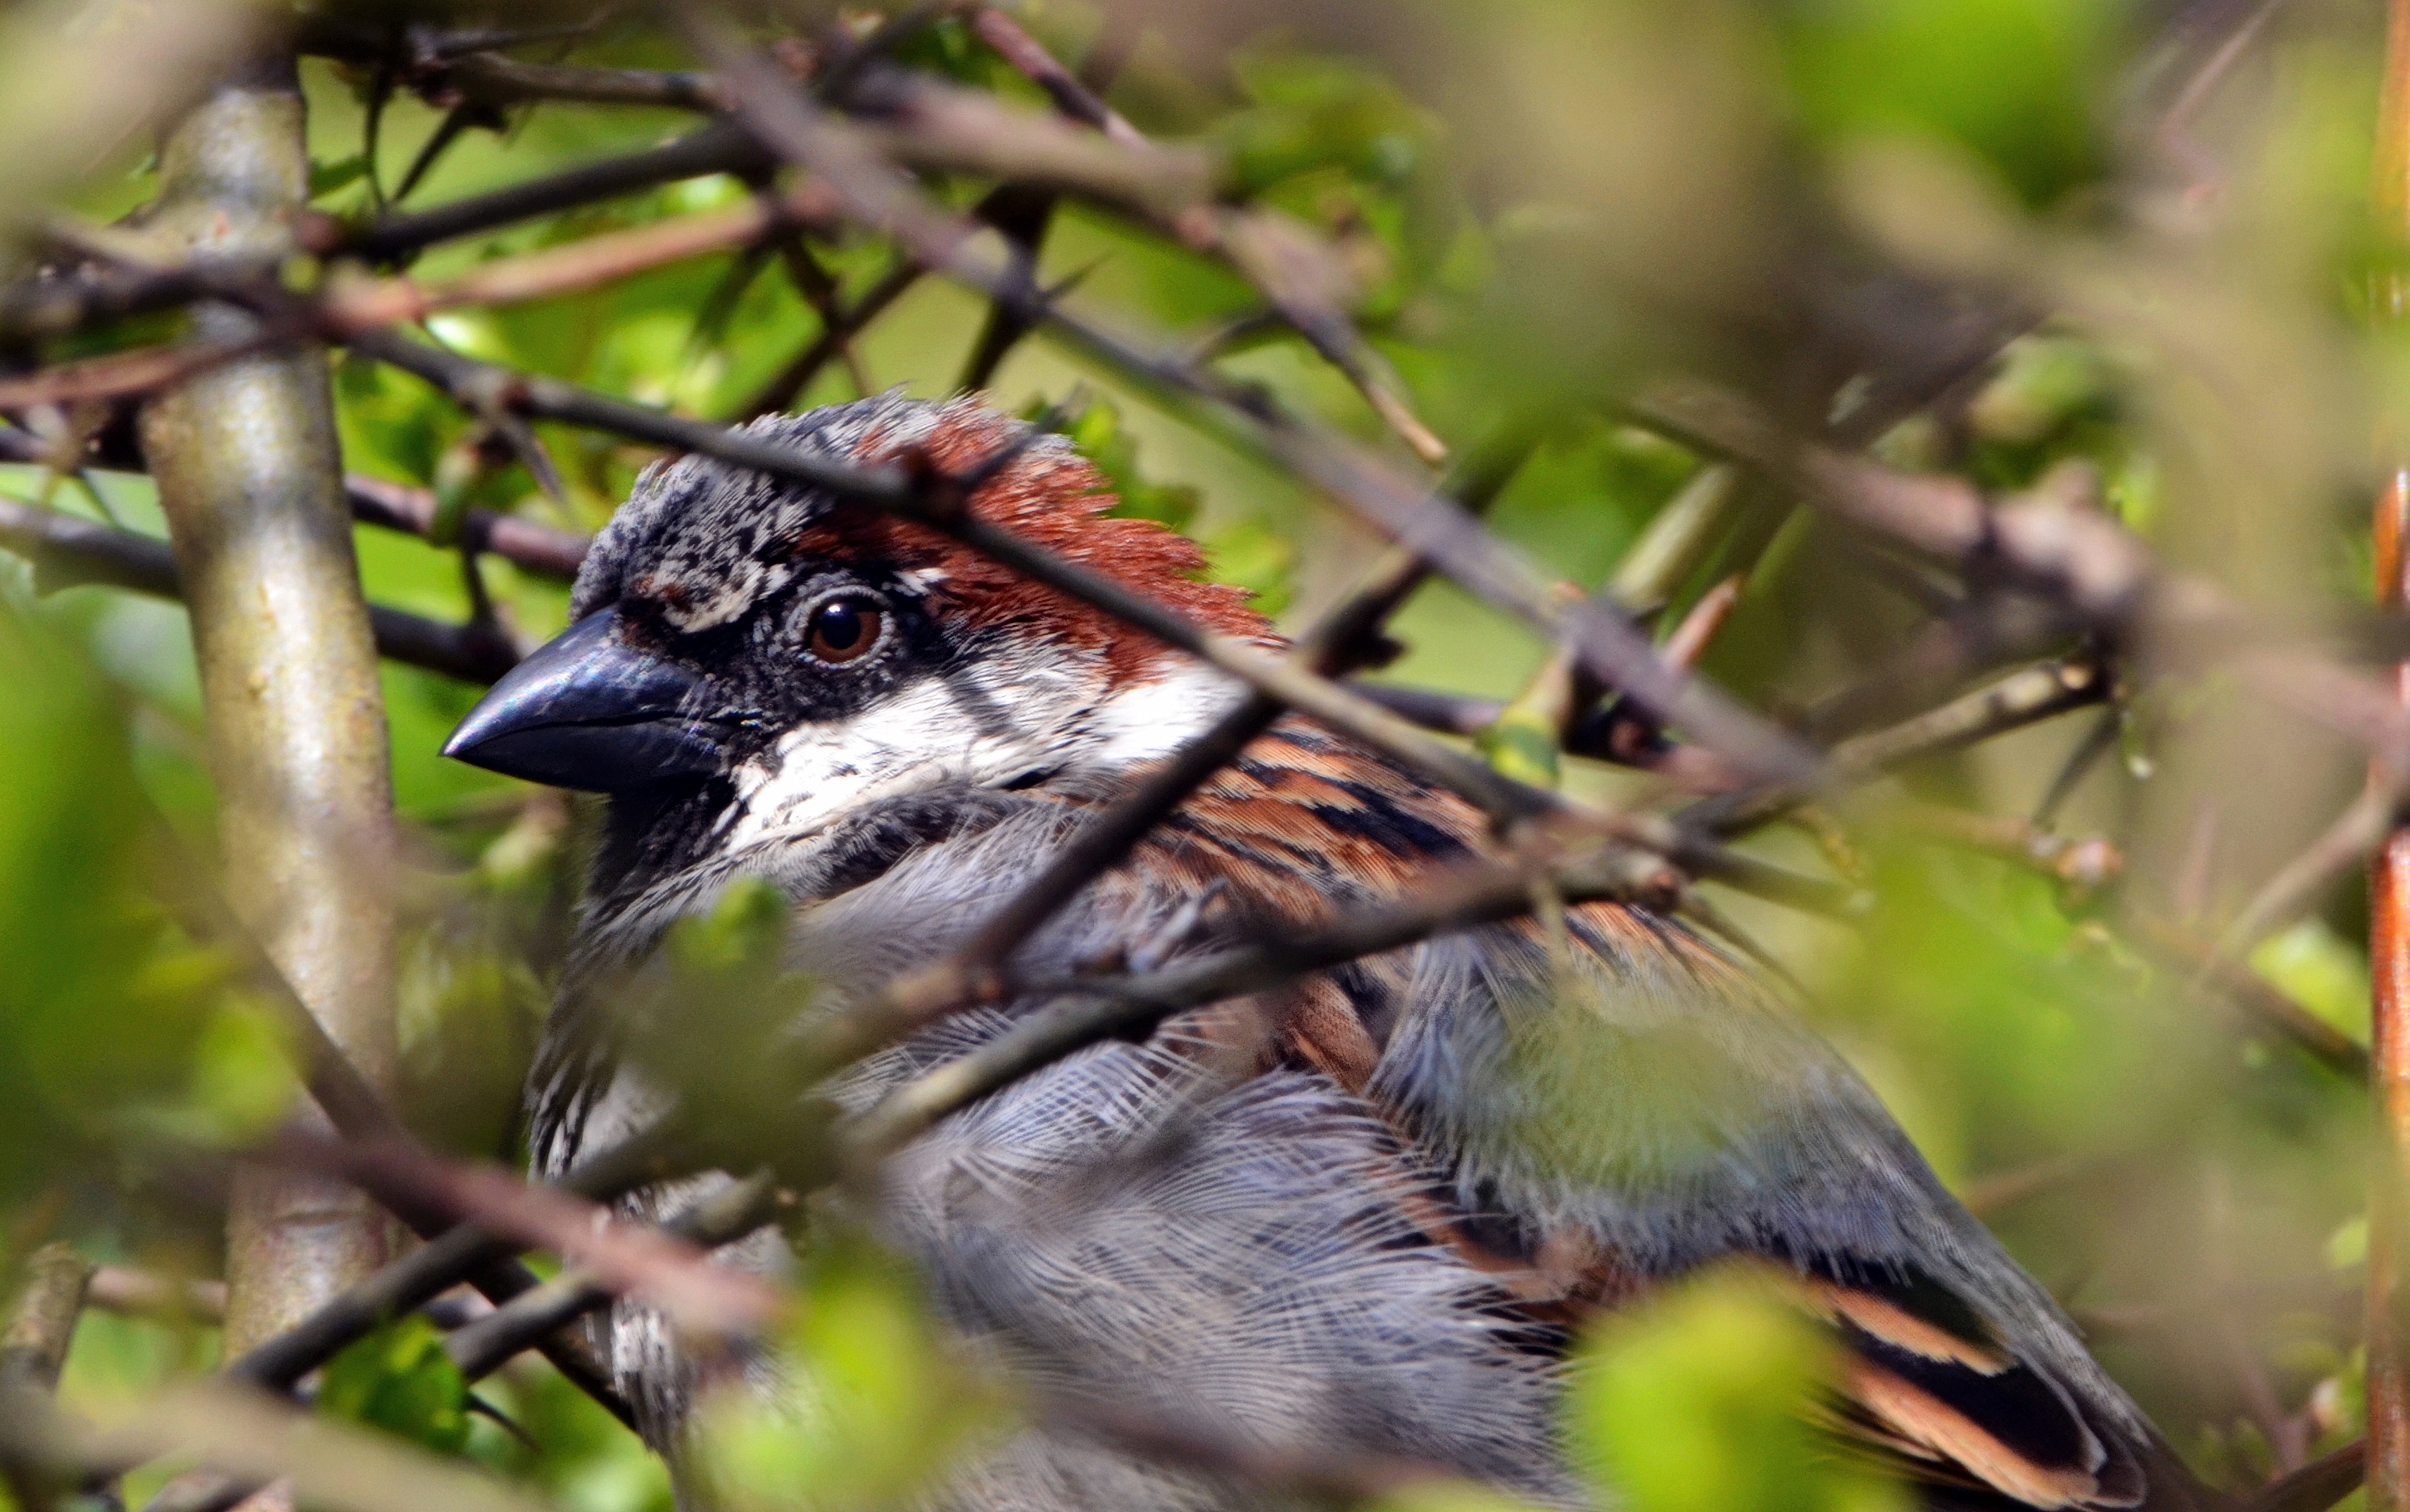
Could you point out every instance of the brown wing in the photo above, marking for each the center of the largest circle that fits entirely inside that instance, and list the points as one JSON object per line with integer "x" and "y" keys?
{"x": 1928, "y": 1391}
{"x": 1302, "y": 822}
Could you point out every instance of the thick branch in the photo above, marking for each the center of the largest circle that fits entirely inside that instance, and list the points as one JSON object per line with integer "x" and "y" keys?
{"x": 249, "y": 475}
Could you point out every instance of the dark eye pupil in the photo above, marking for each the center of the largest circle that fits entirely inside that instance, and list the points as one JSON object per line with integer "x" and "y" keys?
{"x": 842, "y": 630}
{"x": 837, "y": 626}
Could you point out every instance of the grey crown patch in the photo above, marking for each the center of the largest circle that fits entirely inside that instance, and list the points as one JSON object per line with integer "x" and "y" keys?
{"x": 702, "y": 541}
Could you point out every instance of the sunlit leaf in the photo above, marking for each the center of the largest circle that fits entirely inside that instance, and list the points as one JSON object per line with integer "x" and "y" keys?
{"x": 399, "y": 1379}
{"x": 1702, "y": 1401}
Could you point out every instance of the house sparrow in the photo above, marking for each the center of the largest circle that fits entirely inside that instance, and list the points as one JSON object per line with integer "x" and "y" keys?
{"x": 1362, "y": 1216}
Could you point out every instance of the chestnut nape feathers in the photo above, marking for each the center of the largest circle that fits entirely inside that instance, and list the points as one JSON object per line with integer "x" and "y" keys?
{"x": 1361, "y": 1216}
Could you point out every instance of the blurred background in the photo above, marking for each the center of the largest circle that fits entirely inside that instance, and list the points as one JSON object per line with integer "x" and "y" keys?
{"x": 2117, "y": 249}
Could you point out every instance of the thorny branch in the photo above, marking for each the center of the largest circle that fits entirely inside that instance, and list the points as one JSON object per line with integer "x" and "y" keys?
{"x": 2083, "y": 564}
{"x": 1609, "y": 645}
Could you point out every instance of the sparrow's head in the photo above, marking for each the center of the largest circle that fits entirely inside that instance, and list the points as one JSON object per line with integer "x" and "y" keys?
{"x": 781, "y": 656}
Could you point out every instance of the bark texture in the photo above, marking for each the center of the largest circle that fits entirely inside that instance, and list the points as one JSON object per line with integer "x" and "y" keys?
{"x": 249, "y": 474}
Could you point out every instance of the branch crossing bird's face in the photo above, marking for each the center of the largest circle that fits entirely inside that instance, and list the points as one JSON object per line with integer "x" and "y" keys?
{"x": 782, "y": 657}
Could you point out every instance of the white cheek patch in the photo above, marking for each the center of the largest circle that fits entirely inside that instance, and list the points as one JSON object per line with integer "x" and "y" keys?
{"x": 922, "y": 737}
{"x": 1155, "y": 718}
{"x": 1041, "y": 717}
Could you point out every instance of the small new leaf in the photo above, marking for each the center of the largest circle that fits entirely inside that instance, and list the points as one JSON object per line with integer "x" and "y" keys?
{"x": 399, "y": 1379}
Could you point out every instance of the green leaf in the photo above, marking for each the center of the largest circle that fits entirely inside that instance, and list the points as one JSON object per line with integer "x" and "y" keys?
{"x": 399, "y": 1379}
{"x": 1521, "y": 743}
{"x": 1097, "y": 431}
{"x": 1699, "y": 1403}
{"x": 326, "y": 178}
{"x": 2021, "y": 82}
{"x": 743, "y": 930}
{"x": 1255, "y": 556}
{"x": 889, "y": 1402}
{"x": 2322, "y": 970}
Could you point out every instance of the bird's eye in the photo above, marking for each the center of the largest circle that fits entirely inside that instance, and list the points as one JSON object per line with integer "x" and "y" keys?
{"x": 843, "y": 629}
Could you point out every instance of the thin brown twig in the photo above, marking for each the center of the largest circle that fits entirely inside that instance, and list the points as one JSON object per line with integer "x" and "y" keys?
{"x": 2091, "y": 866}
{"x": 837, "y": 334}
{"x": 2340, "y": 847}
{"x": 481, "y": 1348}
{"x": 1096, "y": 1008}
{"x": 626, "y": 1258}
{"x": 875, "y": 195}
{"x": 256, "y": 1439}
{"x": 42, "y": 1321}
{"x": 892, "y": 489}
{"x": 522, "y": 543}
{"x": 2204, "y": 961}
{"x": 2024, "y": 697}
{"x": 498, "y": 79}
{"x": 143, "y": 371}
{"x": 1344, "y": 638}
{"x": 1300, "y": 285}
{"x": 348, "y": 307}
{"x": 68, "y": 551}
{"x": 717, "y": 148}
{"x": 1071, "y": 94}
{"x": 2080, "y": 559}
{"x": 355, "y": 1108}
{"x": 117, "y": 1288}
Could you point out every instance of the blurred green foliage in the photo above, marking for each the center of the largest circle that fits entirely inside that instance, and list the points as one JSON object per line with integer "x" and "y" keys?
{"x": 2018, "y": 84}
{"x": 399, "y": 1380}
{"x": 1538, "y": 206}
{"x": 873, "y": 1401}
{"x": 105, "y": 1008}
{"x": 1701, "y": 1400}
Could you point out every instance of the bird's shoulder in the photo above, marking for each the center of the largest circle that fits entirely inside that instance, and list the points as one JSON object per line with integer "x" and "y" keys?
{"x": 1979, "y": 1412}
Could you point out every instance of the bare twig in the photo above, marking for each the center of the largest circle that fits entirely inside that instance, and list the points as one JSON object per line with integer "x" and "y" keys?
{"x": 484, "y": 1346}
{"x": 1344, "y": 638}
{"x": 498, "y": 79}
{"x": 2388, "y": 924}
{"x": 2024, "y": 697}
{"x": 68, "y": 551}
{"x": 32, "y": 1347}
{"x": 891, "y": 489}
{"x": 2315, "y": 1487}
{"x": 258, "y": 1440}
{"x": 578, "y": 265}
{"x": 2088, "y": 866}
{"x": 2347, "y": 843}
{"x": 1610, "y": 646}
{"x": 2080, "y": 559}
{"x": 117, "y": 1288}
{"x": 1098, "y": 1008}
{"x": 1071, "y": 94}
{"x": 625, "y": 1257}
{"x": 523, "y": 543}
{"x": 143, "y": 371}
{"x": 249, "y": 476}
{"x": 466, "y": 1251}
{"x": 1257, "y": 245}
{"x": 718, "y": 148}
{"x": 836, "y": 333}
{"x": 41, "y": 1323}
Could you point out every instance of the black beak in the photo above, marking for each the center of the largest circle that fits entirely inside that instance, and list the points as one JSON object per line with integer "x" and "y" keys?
{"x": 590, "y": 711}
